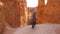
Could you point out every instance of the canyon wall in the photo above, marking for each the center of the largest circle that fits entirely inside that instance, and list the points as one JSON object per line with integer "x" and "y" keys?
{"x": 23, "y": 12}
{"x": 11, "y": 10}
{"x": 39, "y": 11}
{"x": 49, "y": 13}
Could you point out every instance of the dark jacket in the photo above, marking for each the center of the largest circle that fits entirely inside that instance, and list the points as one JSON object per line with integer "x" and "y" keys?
{"x": 34, "y": 16}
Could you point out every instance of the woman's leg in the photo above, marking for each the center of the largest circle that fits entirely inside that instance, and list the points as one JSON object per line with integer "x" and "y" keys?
{"x": 33, "y": 24}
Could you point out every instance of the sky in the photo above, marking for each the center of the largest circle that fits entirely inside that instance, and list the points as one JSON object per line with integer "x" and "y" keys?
{"x": 33, "y": 3}
{"x": 45, "y": 2}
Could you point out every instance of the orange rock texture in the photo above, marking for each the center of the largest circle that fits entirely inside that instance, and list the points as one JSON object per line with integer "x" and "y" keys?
{"x": 11, "y": 11}
{"x": 39, "y": 11}
{"x": 14, "y": 12}
{"x": 2, "y": 26}
{"x": 50, "y": 13}
{"x": 23, "y": 12}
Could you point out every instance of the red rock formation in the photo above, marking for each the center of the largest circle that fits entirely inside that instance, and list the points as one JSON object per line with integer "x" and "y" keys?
{"x": 2, "y": 21}
{"x": 48, "y": 13}
{"x": 52, "y": 11}
{"x": 23, "y": 12}
{"x": 39, "y": 12}
{"x": 11, "y": 10}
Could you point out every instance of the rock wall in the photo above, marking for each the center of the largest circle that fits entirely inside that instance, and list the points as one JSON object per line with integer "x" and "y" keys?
{"x": 39, "y": 11}
{"x": 2, "y": 21}
{"x": 52, "y": 11}
{"x": 23, "y": 12}
{"x": 48, "y": 13}
{"x": 11, "y": 11}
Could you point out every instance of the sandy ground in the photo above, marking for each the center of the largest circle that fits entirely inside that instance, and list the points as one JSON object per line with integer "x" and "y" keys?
{"x": 39, "y": 29}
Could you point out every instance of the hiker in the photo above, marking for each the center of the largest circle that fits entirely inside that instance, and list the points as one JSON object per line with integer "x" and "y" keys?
{"x": 33, "y": 19}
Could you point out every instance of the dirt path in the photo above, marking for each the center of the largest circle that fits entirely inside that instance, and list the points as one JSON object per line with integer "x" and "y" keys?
{"x": 39, "y": 29}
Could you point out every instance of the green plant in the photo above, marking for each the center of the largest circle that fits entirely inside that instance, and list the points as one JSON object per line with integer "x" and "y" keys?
{"x": 29, "y": 22}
